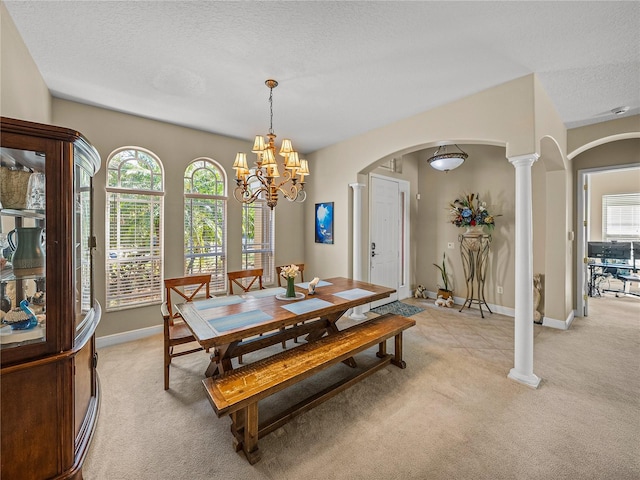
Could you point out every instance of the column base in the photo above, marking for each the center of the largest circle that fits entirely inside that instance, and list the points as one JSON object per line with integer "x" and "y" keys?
{"x": 529, "y": 380}
{"x": 356, "y": 314}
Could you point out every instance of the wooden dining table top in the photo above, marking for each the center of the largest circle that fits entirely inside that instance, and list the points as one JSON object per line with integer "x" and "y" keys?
{"x": 223, "y": 320}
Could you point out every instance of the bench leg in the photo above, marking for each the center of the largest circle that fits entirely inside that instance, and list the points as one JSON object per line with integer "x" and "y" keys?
{"x": 250, "y": 443}
{"x": 397, "y": 359}
{"x": 382, "y": 350}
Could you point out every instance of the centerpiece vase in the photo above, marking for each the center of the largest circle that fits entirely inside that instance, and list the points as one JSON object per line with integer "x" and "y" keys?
{"x": 474, "y": 230}
{"x": 291, "y": 289}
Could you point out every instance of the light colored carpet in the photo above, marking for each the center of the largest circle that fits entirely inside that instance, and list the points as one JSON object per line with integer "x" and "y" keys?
{"x": 451, "y": 414}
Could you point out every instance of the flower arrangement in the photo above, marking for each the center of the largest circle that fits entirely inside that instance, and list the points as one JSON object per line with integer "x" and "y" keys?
{"x": 469, "y": 211}
{"x": 290, "y": 271}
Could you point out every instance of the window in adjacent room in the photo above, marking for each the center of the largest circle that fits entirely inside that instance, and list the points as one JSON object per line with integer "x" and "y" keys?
{"x": 205, "y": 221}
{"x": 621, "y": 217}
{"x": 134, "y": 233}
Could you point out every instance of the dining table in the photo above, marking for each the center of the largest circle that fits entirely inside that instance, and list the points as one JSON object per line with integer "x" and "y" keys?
{"x": 235, "y": 325}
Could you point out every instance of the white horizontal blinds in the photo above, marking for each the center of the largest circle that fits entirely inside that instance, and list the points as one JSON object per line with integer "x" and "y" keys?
{"x": 205, "y": 221}
{"x": 135, "y": 202}
{"x": 621, "y": 217}
{"x": 258, "y": 238}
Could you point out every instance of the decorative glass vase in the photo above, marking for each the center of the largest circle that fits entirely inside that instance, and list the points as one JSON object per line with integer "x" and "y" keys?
{"x": 291, "y": 289}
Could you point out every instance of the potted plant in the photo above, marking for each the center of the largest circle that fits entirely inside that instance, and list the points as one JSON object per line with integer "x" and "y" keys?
{"x": 443, "y": 290}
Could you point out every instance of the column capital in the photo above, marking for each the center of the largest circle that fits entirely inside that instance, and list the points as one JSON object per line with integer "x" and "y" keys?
{"x": 524, "y": 160}
{"x": 356, "y": 185}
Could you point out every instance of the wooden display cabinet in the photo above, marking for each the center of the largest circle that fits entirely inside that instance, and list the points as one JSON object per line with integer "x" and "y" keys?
{"x": 48, "y": 378}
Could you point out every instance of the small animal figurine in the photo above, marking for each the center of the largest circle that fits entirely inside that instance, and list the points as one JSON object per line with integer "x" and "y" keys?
{"x": 421, "y": 292}
{"x": 442, "y": 302}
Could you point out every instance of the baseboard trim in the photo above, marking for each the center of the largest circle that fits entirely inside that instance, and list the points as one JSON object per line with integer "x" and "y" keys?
{"x": 559, "y": 324}
{"x": 130, "y": 336}
{"x": 509, "y": 312}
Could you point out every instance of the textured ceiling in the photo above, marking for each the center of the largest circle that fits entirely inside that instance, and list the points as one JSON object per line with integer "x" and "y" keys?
{"x": 343, "y": 67}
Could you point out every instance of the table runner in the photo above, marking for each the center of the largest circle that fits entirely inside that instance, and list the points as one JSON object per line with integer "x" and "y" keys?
{"x": 239, "y": 320}
{"x": 266, "y": 292}
{"x": 307, "y": 306}
{"x": 217, "y": 302}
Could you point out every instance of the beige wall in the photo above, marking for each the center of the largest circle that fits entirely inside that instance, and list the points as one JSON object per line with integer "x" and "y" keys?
{"x": 176, "y": 147}
{"x": 501, "y": 116}
{"x": 608, "y": 183}
{"x": 585, "y": 138}
{"x": 612, "y": 154}
{"x": 23, "y": 93}
{"x": 488, "y": 173}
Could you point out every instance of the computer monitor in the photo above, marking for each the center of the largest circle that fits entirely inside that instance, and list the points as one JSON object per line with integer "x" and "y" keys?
{"x": 610, "y": 250}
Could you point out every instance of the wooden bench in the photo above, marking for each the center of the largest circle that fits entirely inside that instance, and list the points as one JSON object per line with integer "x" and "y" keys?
{"x": 236, "y": 393}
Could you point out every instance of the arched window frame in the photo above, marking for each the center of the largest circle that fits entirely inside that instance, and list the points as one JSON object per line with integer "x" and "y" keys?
{"x": 205, "y": 221}
{"x": 134, "y": 240}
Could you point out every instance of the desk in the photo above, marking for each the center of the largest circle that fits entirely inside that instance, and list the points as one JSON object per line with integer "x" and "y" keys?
{"x": 232, "y": 325}
{"x": 626, "y": 277}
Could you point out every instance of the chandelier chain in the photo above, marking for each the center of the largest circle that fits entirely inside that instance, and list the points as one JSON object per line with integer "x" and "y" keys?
{"x": 271, "y": 110}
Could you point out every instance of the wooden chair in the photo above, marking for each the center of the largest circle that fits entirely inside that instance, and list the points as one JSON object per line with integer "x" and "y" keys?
{"x": 255, "y": 274}
{"x": 176, "y": 332}
{"x": 300, "y": 269}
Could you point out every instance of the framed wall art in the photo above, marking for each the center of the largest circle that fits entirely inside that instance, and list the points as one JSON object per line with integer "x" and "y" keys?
{"x": 324, "y": 222}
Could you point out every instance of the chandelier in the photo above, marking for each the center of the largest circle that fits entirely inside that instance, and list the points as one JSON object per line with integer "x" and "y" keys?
{"x": 444, "y": 161}
{"x": 265, "y": 181}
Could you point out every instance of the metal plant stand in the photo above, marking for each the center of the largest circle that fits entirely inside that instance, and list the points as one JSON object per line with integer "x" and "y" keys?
{"x": 474, "y": 249}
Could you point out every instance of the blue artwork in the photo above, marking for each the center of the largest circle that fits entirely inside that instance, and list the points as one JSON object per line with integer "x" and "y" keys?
{"x": 324, "y": 222}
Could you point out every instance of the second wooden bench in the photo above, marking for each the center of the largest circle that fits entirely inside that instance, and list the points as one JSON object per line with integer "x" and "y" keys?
{"x": 237, "y": 392}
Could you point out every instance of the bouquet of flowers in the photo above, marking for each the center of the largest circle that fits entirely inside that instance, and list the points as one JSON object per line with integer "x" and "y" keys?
{"x": 469, "y": 211}
{"x": 290, "y": 271}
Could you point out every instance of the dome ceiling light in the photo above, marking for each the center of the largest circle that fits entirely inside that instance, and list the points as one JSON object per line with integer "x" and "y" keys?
{"x": 444, "y": 161}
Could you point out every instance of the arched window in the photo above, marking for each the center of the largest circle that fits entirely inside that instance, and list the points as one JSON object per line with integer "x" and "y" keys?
{"x": 205, "y": 221}
{"x": 135, "y": 203}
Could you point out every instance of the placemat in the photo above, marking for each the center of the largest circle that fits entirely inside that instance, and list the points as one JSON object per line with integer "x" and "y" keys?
{"x": 353, "y": 293}
{"x": 239, "y": 320}
{"x": 307, "y": 306}
{"x": 321, "y": 283}
{"x": 266, "y": 292}
{"x": 217, "y": 302}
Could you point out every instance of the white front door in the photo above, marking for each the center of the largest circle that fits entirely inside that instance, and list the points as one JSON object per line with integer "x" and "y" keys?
{"x": 386, "y": 235}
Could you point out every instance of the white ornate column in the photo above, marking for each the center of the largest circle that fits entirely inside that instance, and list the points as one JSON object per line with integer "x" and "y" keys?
{"x": 522, "y": 370}
{"x": 357, "y": 242}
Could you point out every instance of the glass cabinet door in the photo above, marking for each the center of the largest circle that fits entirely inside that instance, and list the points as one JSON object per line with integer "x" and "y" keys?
{"x": 84, "y": 239}
{"x": 22, "y": 248}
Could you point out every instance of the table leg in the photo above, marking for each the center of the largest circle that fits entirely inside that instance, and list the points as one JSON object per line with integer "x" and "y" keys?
{"x": 220, "y": 360}
{"x": 332, "y": 328}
